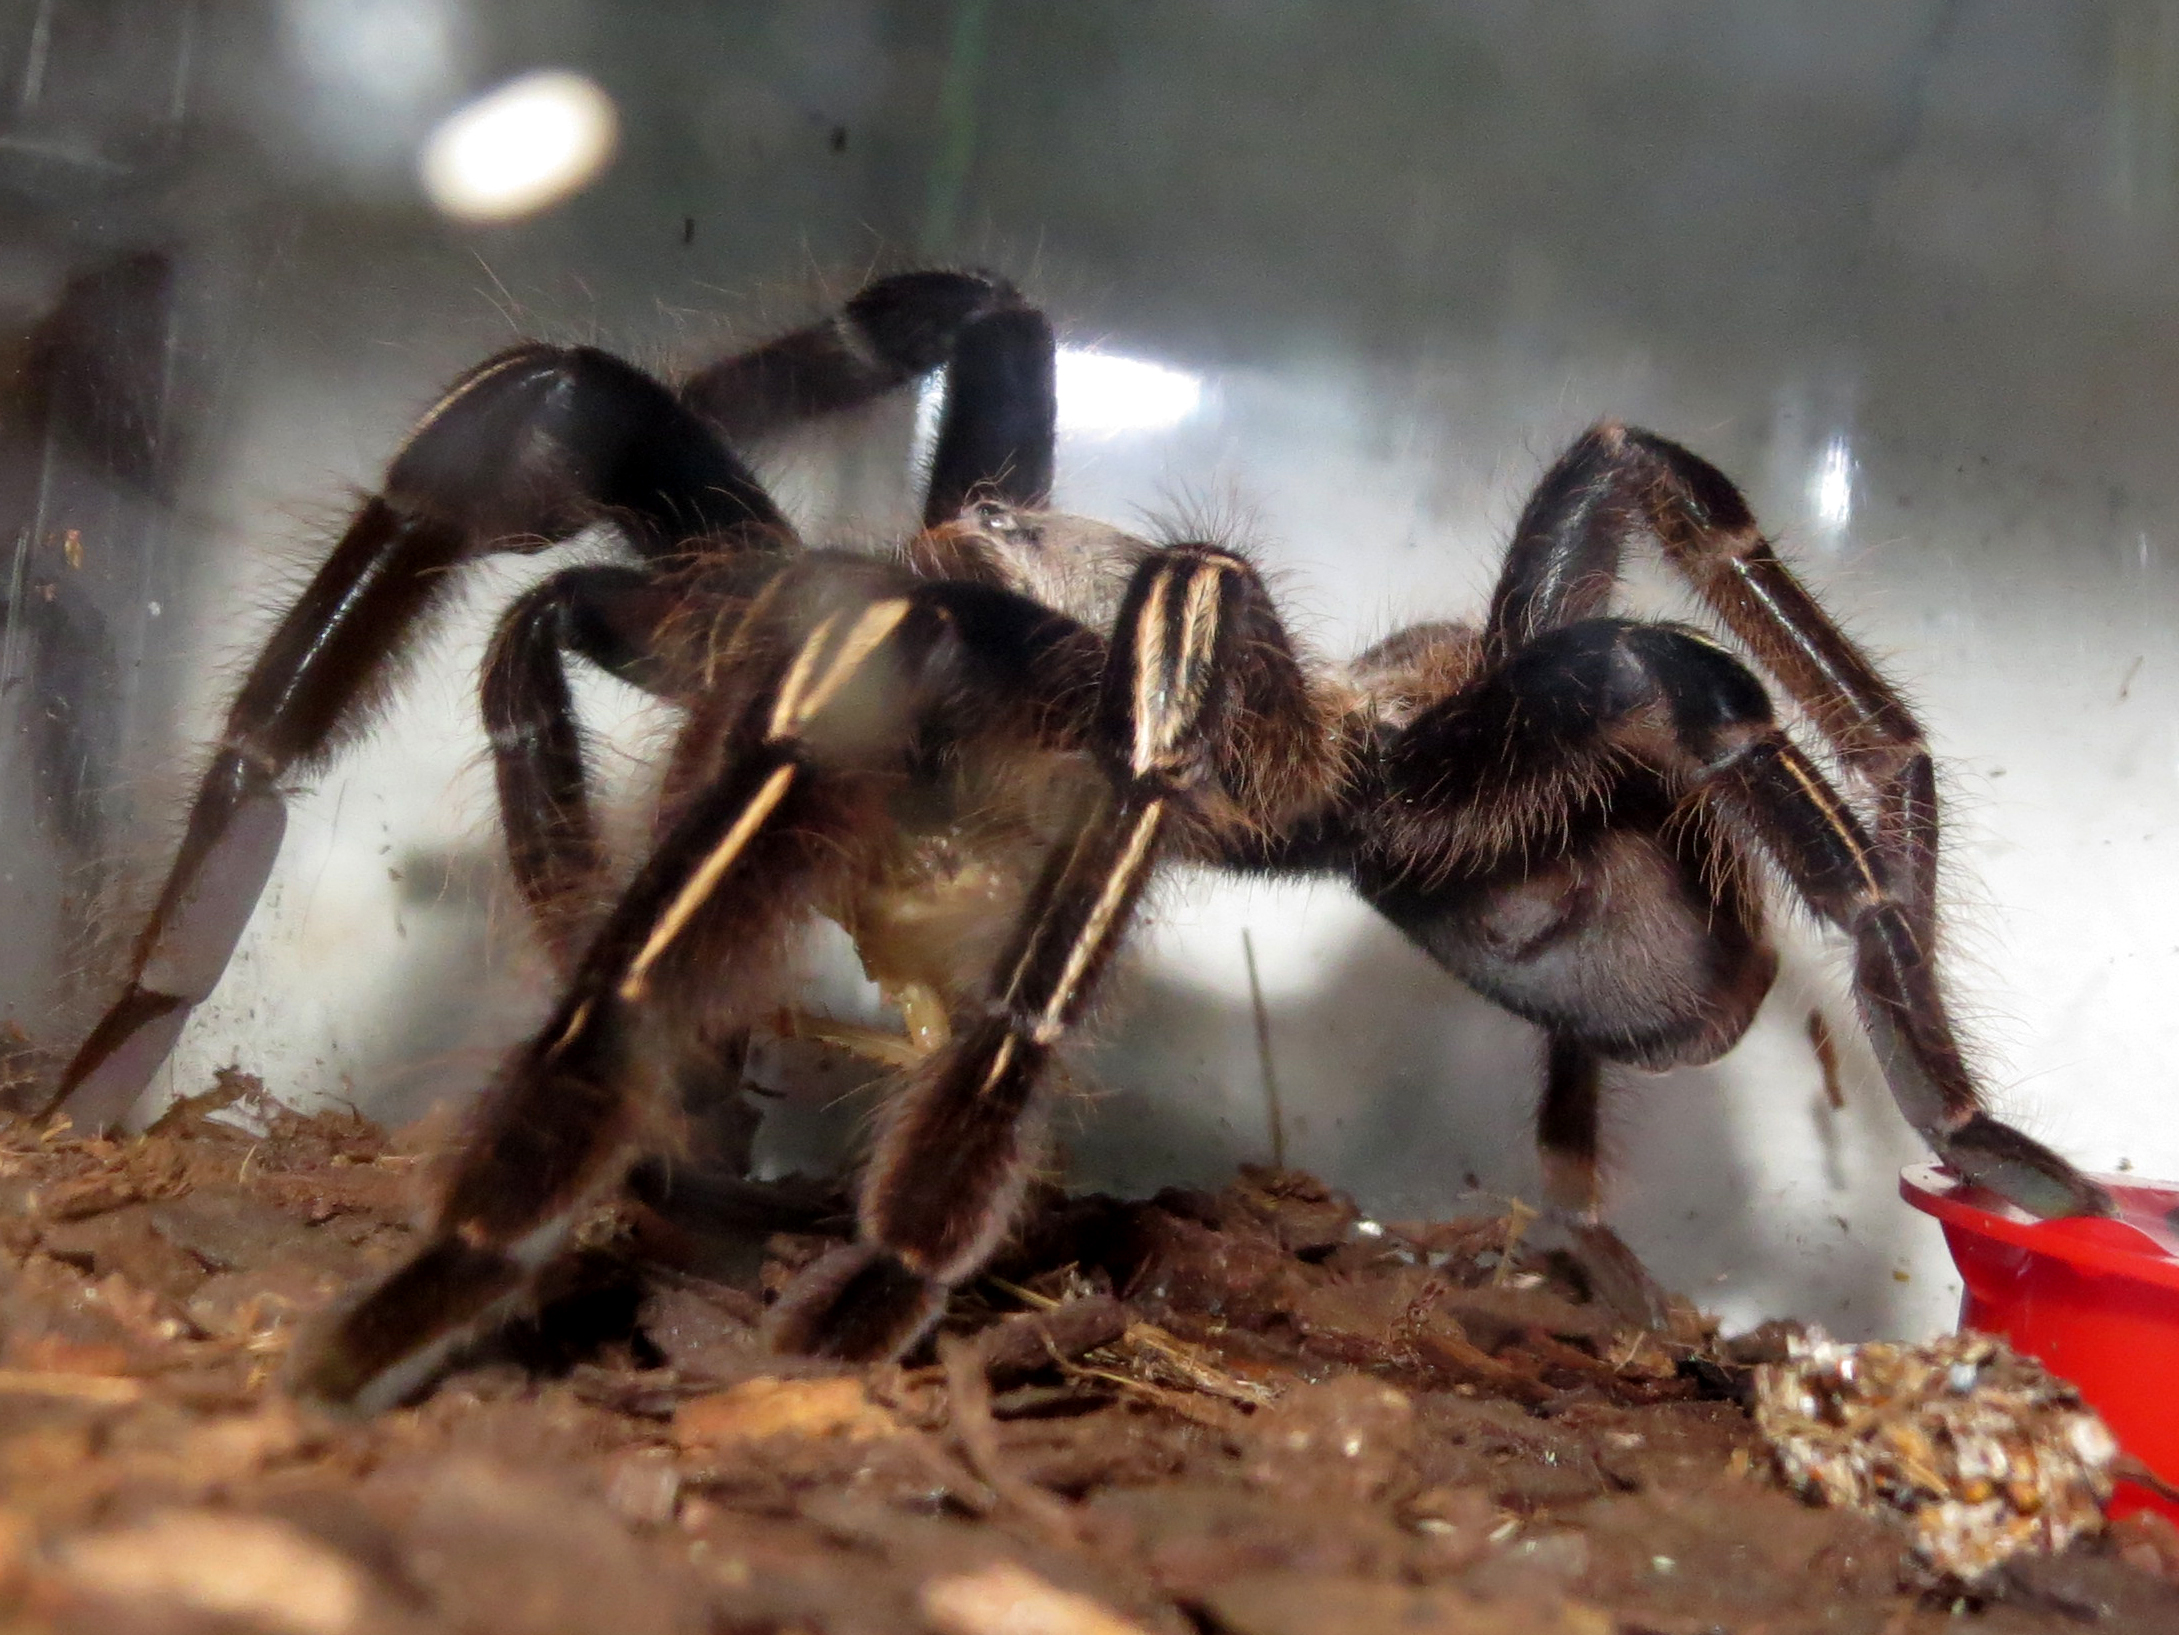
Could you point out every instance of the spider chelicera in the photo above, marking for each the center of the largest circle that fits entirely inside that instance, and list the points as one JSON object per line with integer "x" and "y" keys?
{"x": 972, "y": 752}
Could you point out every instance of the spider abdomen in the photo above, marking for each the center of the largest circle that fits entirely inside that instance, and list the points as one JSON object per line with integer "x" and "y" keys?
{"x": 1635, "y": 939}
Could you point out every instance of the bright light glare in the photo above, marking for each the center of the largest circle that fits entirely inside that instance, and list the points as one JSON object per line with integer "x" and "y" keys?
{"x": 1100, "y": 395}
{"x": 516, "y": 150}
{"x": 1833, "y": 485}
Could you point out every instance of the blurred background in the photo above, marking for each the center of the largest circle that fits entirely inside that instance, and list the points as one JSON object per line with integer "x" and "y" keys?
{"x": 1347, "y": 277}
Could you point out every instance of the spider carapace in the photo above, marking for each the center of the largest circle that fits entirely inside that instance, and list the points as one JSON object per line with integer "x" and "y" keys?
{"x": 974, "y": 751}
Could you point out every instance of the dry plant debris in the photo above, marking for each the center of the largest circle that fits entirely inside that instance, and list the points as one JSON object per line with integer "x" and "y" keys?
{"x": 1981, "y": 1452}
{"x": 1242, "y": 1412}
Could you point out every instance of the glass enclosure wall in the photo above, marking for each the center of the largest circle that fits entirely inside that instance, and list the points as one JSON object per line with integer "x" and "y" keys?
{"x": 1342, "y": 279}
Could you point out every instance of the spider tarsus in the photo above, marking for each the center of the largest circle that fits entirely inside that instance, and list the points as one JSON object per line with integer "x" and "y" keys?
{"x": 226, "y": 857}
{"x": 387, "y": 1346}
{"x": 1992, "y": 1153}
{"x": 114, "y": 1064}
{"x": 859, "y": 1303}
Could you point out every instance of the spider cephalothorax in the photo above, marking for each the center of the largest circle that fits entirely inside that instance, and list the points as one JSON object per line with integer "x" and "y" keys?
{"x": 975, "y": 751}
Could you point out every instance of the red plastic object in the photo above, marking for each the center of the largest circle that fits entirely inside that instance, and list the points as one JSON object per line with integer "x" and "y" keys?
{"x": 2095, "y": 1300}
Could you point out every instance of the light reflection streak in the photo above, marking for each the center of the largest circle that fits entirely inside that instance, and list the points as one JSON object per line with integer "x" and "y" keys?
{"x": 1101, "y": 394}
{"x": 1832, "y": 488}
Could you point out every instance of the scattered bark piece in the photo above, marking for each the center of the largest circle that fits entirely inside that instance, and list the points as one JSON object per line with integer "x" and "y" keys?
{"x": 1303, "y": 1216}
{"x": 1007, "y": 1600}
{"x": 1304, "y": 1420}
{"x": 1028, "y": 1343}
{"x": 968, "y": 1393}
{"x": 703, "y": 1328}
{"x": 126, "y": 1240}
{"x": 522, "y": 1551}
{"x": 1283, "y": 1603}
{"x": 644, "y": 1487}
{"x": 1343, "y": 1440}
{"x": 253, "y": 1568}
{"x": 100, "y": 1387}
{"x": 758, "y": 1408}
{"x": 2147, "y": 1539}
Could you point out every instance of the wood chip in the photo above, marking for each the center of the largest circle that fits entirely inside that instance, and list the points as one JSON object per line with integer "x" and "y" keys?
{"x": 246, "y": 1567}
{"x": 1003, "y": 1599}
{"x": 1292, "y": 1603}
{"x": 1028, "y": 1342}
{"x": 25, "y": 1382}
{"x": 783, "y": 1407}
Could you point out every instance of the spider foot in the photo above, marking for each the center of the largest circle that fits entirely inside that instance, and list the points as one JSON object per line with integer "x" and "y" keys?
{"x": 227, "y": 857}
{"x": 389, "y": 1345}
{"x": 1993, "y": 1154}
{"x": 1601, "y": 1259}
{"x": 860, "y": 1303}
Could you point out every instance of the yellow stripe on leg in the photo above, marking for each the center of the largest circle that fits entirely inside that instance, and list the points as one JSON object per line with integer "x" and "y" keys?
{"x": 1125, "y": 871}
{"x": 704, "y": 881}
{"x": 801, "y": 700}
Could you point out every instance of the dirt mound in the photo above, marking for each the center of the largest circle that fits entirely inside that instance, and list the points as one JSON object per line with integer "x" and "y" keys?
{"x": 1251, "y": 1411}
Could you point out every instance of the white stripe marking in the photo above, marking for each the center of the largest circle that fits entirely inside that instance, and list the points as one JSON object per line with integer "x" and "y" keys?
{"x": 787, "y": 708}
{"x": 1149, "y": 674}
{"x": 704, "y": 880}
{"x": 1099, "y": 924}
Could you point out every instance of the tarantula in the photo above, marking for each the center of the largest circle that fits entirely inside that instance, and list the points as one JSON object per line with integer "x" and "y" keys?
{"x": 973, "y": 752}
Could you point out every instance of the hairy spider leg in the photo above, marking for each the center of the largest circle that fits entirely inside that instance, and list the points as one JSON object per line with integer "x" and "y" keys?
{"x": 1522, "y": 845}
{"x": 961, "y": 1139}
{"x": 619, "y": 618}
{"x": 1568, "y": 1124}
{"x": 996, "y": 438}
{"x": 1569, "y": 1120}
{"x": 1000, "y": 426}
{"x": 1836, "y": 866}
{"x": 996, "y": 435}
{"x": 526, "y": 449}
{"x": 616, "y": 617}
{"x": 786, "y": 813}
{"x": 609, "y": 614}
{"x": 1611, "y": 694}
{"x": 891, "y": 332}
{"x": 1564, "y": 565}
{"x": 523, "y": 451}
